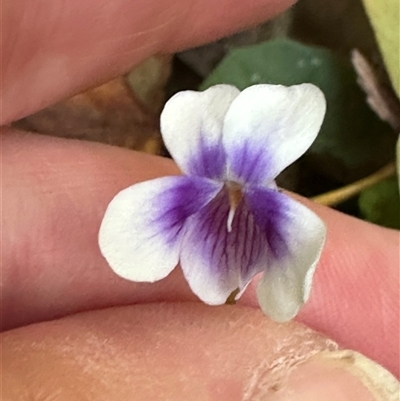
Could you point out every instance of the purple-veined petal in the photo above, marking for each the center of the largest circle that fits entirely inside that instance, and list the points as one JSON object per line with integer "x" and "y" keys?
{"x": 216, "y": 262}
{"x": 295, "y": 237}
{"x": 268, "y": 127}
{"x": 141, "y": 232}
{"x": 191, "y": 126}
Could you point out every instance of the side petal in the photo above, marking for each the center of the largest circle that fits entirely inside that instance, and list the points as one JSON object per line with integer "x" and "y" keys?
{"x": 268, "y": 127}
{"x": 191, "y": 126}
{"x": 295, "y": 237}
{"x": 141, "y": 232}
{"x": 216, "y": 262}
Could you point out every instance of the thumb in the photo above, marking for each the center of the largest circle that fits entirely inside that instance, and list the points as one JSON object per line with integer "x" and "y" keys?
{"x": 184, "y": 351}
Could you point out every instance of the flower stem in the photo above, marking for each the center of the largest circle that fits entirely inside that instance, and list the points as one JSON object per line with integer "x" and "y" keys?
{"x": 339, "y": 195}
{"x": 231, "y": 299}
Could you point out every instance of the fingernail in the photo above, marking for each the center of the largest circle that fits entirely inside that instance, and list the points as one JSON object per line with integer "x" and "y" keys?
{"x": 338, "y": 376}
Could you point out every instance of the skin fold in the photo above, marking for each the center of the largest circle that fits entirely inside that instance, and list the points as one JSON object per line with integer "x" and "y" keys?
{"x": 55, "y": 192}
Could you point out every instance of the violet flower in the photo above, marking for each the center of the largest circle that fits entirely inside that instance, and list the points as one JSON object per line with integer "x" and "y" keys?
{"x": 225, "y": 220}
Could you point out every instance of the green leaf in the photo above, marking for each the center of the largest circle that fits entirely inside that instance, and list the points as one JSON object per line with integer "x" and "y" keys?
{"x": 385, "y": 19}
{"x": 353, "y": 141}
{"x": 380, "y": 203}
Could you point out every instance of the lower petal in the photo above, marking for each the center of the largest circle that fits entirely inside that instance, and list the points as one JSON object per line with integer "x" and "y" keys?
{"x": 295, "y": 237}
{"x": 216, "y": 261}
{"x": 141, "y": 232}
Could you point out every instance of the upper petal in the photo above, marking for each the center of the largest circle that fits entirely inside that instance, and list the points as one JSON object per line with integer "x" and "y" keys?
{"x": 268, "y": 127}
{"x": 295, "y": 237}
{"x": 216, "y": 262}
{"x": 191, "y": 126}
{"x": 141, "y": 232}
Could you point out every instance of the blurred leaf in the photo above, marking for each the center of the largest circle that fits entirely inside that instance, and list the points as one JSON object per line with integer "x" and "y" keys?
{"x": 385, "y": 18}
{"x": 353, "y": 142}
{"x": 339, "y": 25}
{"x": 109, "y": 114}
{"x": 123, "y": 112}
{"x": 380, "y": 203}
{"x": 203, "y": 59}
{"x": 148, "y": 80}
{"x": 398, "y": 159}
{"x": 380, "y": 96}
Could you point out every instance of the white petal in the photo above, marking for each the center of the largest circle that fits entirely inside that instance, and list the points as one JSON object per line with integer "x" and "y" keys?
{"x": 268, "y": 127}
{"x": 141, "y": 232}
{"x": 191, "y": 126}
{"x": 295, "y": 236}
{"x": 216, "y": 261}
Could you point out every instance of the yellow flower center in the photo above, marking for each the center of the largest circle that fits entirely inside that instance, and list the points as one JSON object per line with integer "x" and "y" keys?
{"x": 235, "y": 196}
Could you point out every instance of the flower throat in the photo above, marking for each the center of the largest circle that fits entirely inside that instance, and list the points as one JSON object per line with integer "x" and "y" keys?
{"x": 235, "y": 196}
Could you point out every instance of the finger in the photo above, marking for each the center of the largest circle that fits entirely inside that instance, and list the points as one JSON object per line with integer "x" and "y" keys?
{"x": 360, "y": 272}
{"x": 55, "y": 48}
{"x": 55, "y": 195}
{"x": 355, "y": 295}
{"x": 174, "y": 351}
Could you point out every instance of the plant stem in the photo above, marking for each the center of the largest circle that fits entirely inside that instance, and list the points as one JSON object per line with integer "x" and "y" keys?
{"x": 339, "y": 195}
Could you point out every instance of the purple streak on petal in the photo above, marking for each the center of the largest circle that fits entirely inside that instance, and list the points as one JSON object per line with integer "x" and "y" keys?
{"x": 216, "y": 262}
{"x": 173, "y": 206}
{"x": 209, "y": 160}
{"x": 270, "y": 215}
{"x": 249, "y": 163}
{"x": 141, "y": 233}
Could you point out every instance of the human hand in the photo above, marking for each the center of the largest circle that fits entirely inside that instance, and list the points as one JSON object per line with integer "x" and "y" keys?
{"x": 56, "y": 192}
